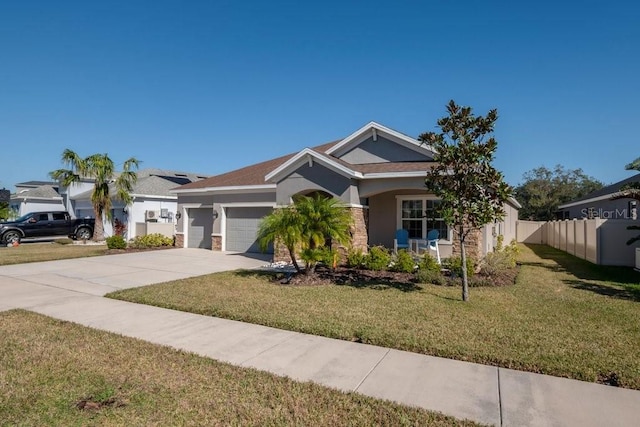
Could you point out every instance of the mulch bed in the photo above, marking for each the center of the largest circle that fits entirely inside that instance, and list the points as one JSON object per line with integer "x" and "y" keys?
{"x": 403, "y": 281}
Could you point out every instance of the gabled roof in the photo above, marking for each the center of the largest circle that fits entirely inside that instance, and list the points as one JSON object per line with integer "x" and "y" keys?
{"x": 375, "y": 129}
{"x": 153, "y": 186}
{"x": 602, "y": 194}
{"x": 41, "y": 192}
{"x": 152, "y": 182}
{"x": 264, "y": 175}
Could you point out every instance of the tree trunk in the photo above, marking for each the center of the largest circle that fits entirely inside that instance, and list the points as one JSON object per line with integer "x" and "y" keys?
{"x": 98, "y": 228}
{"x": 292, "y": 254}
{"x": 465, "y": 282}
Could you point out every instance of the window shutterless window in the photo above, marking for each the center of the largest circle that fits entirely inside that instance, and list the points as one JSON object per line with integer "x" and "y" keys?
{"x": 418, "y": 215}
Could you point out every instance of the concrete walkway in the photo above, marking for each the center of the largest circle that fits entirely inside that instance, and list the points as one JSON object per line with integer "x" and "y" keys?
{"x": 72, "y": 290}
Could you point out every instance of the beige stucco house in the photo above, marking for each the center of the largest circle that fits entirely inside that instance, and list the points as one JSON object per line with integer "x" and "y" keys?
{"x": 378, "y": 173}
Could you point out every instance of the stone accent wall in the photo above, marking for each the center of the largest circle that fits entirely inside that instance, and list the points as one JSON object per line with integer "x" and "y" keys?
{"x": 473, "y": 245}
{"x": 280, "y": 253}
{"x": 179, "y": 240}
{"x": 359, "y": 236}
{"x": 216, "y": 243}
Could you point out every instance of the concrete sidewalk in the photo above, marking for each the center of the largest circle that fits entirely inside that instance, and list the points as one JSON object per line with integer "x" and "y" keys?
{"x": 71, "y": 290}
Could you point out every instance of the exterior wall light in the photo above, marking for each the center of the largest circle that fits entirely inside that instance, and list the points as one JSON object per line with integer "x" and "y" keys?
{"x": 215, "y": 214}
{"x": 178, "y": 215}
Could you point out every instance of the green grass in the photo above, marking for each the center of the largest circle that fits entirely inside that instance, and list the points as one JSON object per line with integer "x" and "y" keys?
{"x": 563, "y": 317}
{"x": 60, "y": 373}
{"x": 35, "y": 252}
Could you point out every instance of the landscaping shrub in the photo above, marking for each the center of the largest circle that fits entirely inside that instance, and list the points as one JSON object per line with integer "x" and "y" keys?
{"x": 355, "y": 258}
{"x": 154, "y": 240}
{"x": 454, "y": 264}
{"x": 328, "y": 257}
{"x": 513, "y": 250}
{"x": 494, "y": 263}
{"x": 378, "y": 258}
{"x": 428, "y": 262}
{"x": 429, "y": 271}
{"x": 503, "y": 258}
{"x": 119, "y": 228}
{"x": 116, "y": 242}
{"x": 424, "y": 275}
{"x": 404, "y": 262}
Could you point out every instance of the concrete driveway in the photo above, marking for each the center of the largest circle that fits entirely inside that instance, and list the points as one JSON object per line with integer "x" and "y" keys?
{"x": 101, "y": 275}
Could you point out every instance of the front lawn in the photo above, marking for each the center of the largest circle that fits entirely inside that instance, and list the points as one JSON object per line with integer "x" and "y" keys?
{"x": 61, "y": 374}
{"x": 563, "y": 316}
{"x": 35, "y": 252}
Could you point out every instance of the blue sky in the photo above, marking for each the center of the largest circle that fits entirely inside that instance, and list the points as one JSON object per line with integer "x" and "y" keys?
{"x": 211, "y": 86}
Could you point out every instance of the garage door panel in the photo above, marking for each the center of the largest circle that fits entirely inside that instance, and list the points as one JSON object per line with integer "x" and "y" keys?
{"x": 242, "y": 228}
{"x": 200, "y": 228}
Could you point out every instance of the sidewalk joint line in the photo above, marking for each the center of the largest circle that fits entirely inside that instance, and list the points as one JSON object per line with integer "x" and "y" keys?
{"x": 500, "y": 399}
{"x": 290, "y": 337}
{"x": 371, "y": 370}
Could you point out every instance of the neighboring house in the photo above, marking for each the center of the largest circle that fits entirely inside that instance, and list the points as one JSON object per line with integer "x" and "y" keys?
{"x": 598, "y": 204}
{"x": 378, "y": 173}
{"x": 152, "y": 201}
{"x": 36, "y": 196}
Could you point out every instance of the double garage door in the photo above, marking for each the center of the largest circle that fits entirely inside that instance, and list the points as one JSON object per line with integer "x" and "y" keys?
{"x": 241, "y": 228}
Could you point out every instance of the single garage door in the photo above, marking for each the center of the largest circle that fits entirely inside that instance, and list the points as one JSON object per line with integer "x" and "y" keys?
{"x": 200, "y": 228}
{"x": 242, "y": 228}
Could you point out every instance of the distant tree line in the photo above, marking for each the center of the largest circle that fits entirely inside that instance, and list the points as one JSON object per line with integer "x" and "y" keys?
{"x": 544, "y": 189}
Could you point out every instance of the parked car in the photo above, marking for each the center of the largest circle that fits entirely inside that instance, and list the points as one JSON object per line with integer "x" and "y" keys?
{"x": 46, "y": 224}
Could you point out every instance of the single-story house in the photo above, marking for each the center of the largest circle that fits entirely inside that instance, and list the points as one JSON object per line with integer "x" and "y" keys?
{"x": 377, "y": 172}
{"x": 598, "y": 204}
{"x": 152, "y": 202}
{"x": 36, "y": 196}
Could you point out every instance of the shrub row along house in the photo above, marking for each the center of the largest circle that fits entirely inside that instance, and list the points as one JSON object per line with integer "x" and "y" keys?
{"x": 376, "y": 172}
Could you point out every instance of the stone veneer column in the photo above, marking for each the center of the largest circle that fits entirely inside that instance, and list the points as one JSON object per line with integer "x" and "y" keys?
{"x": 179, "y": 240}
{"x": 473, "y": 245}
{"x": 280, "y": 253}
{"x": 216, "y": 243}
{"x": 359, "y": 236}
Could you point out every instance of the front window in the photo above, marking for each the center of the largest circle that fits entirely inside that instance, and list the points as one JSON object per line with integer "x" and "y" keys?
{"x": 420, "y": 215}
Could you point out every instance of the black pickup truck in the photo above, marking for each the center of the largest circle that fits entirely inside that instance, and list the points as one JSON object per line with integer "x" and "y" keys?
{"x": 46, "y": 224}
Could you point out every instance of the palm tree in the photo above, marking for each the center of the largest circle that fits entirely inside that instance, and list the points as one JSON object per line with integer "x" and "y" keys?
{"x": 101, "y": 169}
{"x": 306, "y": 225}
{"x": 282, "y": 225}
{"x": 323, "y": 220}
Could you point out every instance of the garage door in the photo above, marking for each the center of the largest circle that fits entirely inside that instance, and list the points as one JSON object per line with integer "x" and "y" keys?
{"x": 200, "y": 228}
{"x": 242, "y": 228}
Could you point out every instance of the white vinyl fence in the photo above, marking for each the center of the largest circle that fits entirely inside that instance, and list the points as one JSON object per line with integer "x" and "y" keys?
{"x": 600, "y": 241}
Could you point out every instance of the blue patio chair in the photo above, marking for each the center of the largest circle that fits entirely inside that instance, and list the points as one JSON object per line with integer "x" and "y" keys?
{"x": 401, "y": 241}
{"x": 431, "y": 244}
